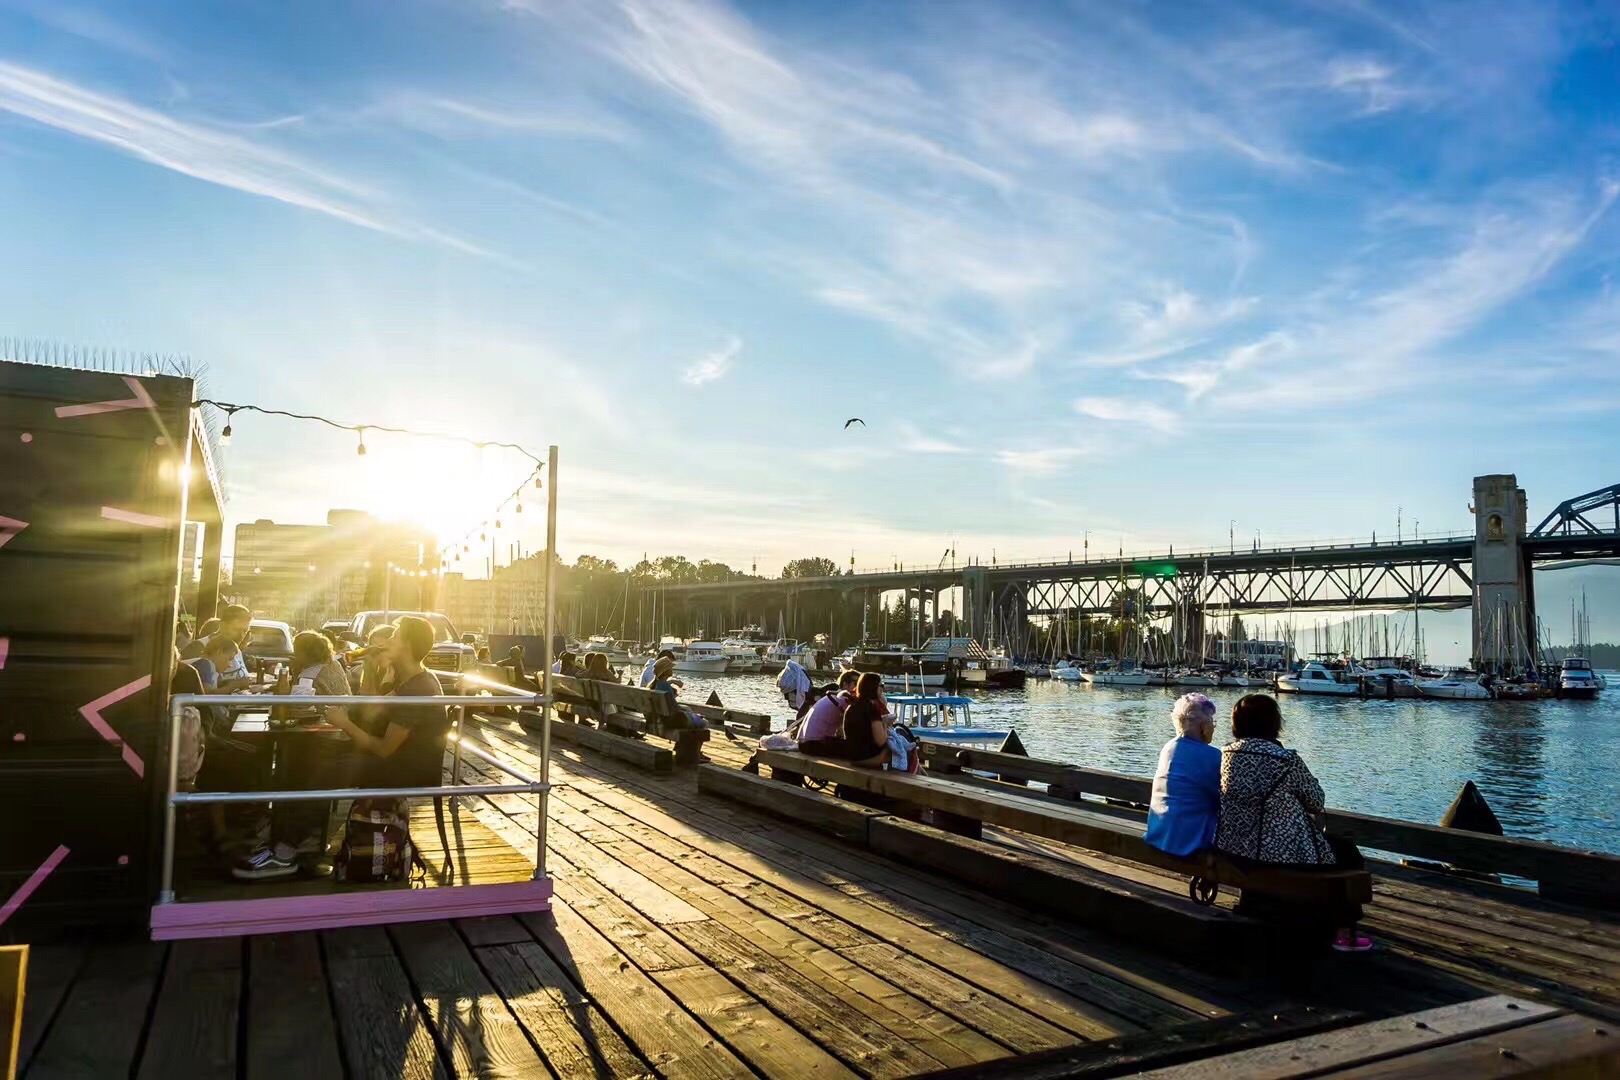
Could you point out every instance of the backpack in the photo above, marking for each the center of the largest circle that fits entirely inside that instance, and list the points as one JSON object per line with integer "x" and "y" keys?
{"x": 376, "y": 842}
{"x": 189, "y": 754}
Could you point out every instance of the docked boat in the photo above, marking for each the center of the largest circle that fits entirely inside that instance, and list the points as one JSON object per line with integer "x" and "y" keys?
{"x": 945, "y": 718}
{"x": 1067, "y": 671}
{"x": 742, "y": 655}
{"x": 617, "y": 652}
{"x": 1457, "y": 687}
{"x": 1234, "y": 679}
{"x": 1576, "y": 679}
{"x": 1317, "y": 678}
{"x": 785, "y": 649}
{"x": 1117, "y": 676}
{"x": 702, "y": 658}
{"x": 898, "y": 665}
{"x": 1194, "y": 679}
{"x": 967, "y": 663}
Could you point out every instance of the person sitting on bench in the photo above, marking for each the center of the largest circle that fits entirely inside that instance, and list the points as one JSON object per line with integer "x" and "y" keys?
{"x": 1186, "y": 802}
{"x": 865, "y": 735}
{"x": 663, "y": 683}
{"x": 1271, "y": 810}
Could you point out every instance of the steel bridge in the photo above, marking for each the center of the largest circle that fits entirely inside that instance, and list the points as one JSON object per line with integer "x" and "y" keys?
{"x": 1430, "y": 573}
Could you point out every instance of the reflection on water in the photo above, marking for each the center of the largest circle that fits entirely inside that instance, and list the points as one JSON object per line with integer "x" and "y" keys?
{"x": 1550, "y": 770}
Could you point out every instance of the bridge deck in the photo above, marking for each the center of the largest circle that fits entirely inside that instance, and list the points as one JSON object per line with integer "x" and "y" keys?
{"x": 691, "y": 937}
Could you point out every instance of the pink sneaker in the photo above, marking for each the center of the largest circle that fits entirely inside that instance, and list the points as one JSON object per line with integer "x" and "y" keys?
{"x": 1351, "y": 941}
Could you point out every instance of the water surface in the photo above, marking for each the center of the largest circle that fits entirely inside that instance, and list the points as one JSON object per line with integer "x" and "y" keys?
{"x": 1550, "y": 770}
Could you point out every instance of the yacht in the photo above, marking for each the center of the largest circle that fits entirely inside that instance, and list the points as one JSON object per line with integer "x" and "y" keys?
{"x": 1317, "y": 678}
{"x": 1577, "y": 679}
{"x": 617, "y": 652}
{"x": 898, "y": 665}
{"x": 785, "y": 649}
{"x": 1194, "y": 679}
{"x": 1241, "y": 681}
{"x": 1457, "y": 687}
{"x": 741, "y": 654}
{"x": 1117, "y": 677}
{"x": 1067, "y": 671}
{"x": 702, "y": 658}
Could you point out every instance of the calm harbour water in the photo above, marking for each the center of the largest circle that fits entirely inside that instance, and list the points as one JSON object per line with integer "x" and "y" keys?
{"x": 1550, "y": 770}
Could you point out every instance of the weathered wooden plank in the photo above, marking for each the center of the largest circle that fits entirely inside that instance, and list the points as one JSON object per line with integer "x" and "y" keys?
{"x": 492, "y": 930}
{"x": 923, "y": 902}
{"x": 753, "y": 723}
{"x": 863, "y": 1044}
{"x": 51, "y": 969}
{"x": 809, "y": 808}
{"x": 571, "y": 1032}
{"x": 383, "y": 1030}
{"x": 660, "y": 1029}
{"x": 193, "y": 1029}
{"x": 649, "y": 945}
{"x": 290, "y": 1027}
{"x": 98, "y": 1028}
{"x": 1131, "y": 1054}
{"x": 13, "y": 983}
{"x": 475, "y": 1029}
{"x": 1342, "y": 1048}
{"x": 1563, "y": 1046}
{"x": 638, "y": 752}
{"x": 757, "y": 1034}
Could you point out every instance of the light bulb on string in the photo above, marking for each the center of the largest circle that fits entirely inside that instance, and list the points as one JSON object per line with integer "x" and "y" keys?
{"x": 225, "y": 436}
{"x": 361, "y": 449}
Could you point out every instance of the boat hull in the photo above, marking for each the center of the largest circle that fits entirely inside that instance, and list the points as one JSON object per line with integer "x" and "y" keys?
{"x": 1066, "y": 674}
{"x": 1454, "y": 691}
{"x": 1116, "y": 678}
{"x": 1578, "y": 692}
{"x": 702, "y": 667}
{"x": 1318, "y": 687}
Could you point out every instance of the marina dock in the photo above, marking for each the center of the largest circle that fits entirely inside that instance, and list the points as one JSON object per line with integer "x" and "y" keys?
{"x": 691, "y": 936}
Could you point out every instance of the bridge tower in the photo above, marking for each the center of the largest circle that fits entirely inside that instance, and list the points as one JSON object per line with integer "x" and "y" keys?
{"x": 976, "y": 601}
{"x": 1504, "y": 595}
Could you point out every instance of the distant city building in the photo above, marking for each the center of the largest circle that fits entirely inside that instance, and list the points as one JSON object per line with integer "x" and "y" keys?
{"x": 512, "y": 601}
{"x": 308, "y": 574}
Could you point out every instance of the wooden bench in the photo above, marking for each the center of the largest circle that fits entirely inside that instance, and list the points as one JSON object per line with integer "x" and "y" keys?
{"x": 1561, "y": 873}
{"x": 1073, "y": 824}
{"x": 1133, "y": 911}
{"x": 629, "y": 712}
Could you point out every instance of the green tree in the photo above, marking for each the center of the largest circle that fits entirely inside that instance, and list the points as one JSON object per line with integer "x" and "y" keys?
{"x": 810, "y": 568}
{"x": 1235, "y": 630}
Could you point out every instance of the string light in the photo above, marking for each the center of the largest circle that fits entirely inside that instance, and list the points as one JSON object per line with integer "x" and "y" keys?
{"x": 231, "y": 408}
{"x": 361, "y": 449}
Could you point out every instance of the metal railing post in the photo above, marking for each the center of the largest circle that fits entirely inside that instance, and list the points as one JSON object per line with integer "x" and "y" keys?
{"x": 542, "y": 803}
{"x": 172, "y": 783}
{"x": 460, "y": 725}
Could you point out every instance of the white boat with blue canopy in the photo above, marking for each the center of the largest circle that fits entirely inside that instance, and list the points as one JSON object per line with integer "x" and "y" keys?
{"x": 944, "y": 718}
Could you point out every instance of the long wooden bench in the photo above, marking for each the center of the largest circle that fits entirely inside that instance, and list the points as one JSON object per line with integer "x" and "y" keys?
{"x": 1561, "y": 873}
{"x": 1073, "y": 824}
{"x": 1130, "y": 910}
{"x": 630, "y": 713}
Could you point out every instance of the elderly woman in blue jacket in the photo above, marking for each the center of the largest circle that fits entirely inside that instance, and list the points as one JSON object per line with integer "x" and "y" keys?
{"x": 1186, "y": 802}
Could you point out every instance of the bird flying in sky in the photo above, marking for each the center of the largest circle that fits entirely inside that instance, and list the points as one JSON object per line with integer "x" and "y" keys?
{"x": 854, "y": 420}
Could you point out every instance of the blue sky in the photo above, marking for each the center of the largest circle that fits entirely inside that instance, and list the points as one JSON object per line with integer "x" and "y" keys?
{"x": 1132, "y": 269}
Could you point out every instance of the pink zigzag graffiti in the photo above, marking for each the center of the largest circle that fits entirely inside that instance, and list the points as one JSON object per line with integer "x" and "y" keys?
{"x": 92, "y": 713}
{"x": 9, "y": 528}
{"x": 141, "y": 400}
{"x": 35, "y": 880}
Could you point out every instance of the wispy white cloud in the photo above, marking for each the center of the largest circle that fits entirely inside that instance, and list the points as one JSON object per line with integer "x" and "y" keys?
{"x": 1139, "y": 411}
{"x": 714, "y": 365}
{"x": 211, "y": 153}
{"x": 450, "y": 116}
{"x": 1042, "y": 460}
{"x": 916, "y": 441}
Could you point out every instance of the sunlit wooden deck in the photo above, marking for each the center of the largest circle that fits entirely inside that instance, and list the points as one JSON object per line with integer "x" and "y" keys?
{"x": 692, "y": 937}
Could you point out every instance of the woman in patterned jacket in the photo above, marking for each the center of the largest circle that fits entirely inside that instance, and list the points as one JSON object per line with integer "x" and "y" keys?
{"x": 1271, "y": 810}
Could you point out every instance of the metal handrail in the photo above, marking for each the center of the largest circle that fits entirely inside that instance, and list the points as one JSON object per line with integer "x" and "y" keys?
{"x": 540, "y": 788}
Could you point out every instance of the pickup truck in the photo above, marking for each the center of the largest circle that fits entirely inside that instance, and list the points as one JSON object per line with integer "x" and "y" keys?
{"x": 449, "y": 659}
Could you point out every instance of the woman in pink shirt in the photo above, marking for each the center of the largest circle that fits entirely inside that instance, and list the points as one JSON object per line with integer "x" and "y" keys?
{"x": 826, "y": 717}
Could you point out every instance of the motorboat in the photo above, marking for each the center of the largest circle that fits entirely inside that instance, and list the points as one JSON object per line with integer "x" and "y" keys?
{"x": 1195, "y": 679}
{"x": 1317, "y": 678}
{"x": 945, "y": 718}
{"x": 702, "y": 658}
{"x": 1067, "y": 671}
{"x": 1457, "y": 687}
{"x": 617, "y": 652}
{"x": 1576, "y": 679}
{"x": 1117, "y": 676}
{"x": 785, "y": 649}
{"x": 1241, "y": 682}
{"x": 742, "y": 655}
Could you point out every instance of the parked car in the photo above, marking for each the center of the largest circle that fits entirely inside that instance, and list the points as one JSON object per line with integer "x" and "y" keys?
{"x": 268, "y": 641}
{"x": 449, "y": 659}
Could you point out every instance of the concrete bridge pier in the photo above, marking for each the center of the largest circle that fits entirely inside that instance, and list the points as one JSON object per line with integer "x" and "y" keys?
{"x": 1504, "y": 592}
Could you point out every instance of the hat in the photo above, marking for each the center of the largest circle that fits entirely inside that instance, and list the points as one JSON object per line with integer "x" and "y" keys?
{"x": 663, "y": 667}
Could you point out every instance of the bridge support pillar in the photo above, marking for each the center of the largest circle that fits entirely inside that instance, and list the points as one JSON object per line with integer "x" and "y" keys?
{"x": 976, "y": 601}
{"x": 1504, "y": 605}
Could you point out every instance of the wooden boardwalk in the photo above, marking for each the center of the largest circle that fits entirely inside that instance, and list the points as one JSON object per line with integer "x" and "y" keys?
{"x": 693, "y": 937}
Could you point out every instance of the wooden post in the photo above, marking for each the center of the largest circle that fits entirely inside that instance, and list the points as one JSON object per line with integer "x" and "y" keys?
{"x": 208, "y": 584}
{"x": 13, "y": 979}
